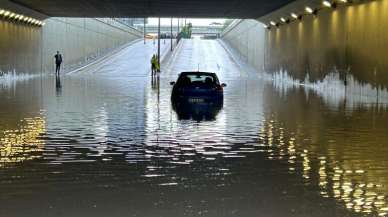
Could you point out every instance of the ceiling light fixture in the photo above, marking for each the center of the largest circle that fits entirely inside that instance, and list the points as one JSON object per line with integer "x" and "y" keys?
{"x": 6, "y": 13}
{"x": 20, "y": 17}
{"x": 311, "y": 11}
{"x": 327, "y": 4}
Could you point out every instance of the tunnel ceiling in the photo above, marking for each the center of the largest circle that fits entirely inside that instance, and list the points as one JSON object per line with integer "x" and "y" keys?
{"x": 154, "y": 8}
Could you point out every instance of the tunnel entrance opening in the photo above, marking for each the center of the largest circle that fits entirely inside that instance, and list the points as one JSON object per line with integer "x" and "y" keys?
{"x": 300, "y": 130}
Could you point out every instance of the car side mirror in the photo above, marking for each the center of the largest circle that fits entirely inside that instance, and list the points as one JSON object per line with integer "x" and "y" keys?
{"x": 223, "y": 85}
{"x": 172, "y": 83}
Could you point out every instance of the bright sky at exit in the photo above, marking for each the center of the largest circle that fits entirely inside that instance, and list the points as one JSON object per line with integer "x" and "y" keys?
{"x": 194, "y": 21}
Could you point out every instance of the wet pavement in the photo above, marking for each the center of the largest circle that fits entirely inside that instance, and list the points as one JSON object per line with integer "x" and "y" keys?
{"x": 106, "y": 142}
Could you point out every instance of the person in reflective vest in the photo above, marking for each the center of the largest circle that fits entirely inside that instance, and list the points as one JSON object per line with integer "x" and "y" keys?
{"x": 154, "y": 63}
{"x": 157, "y": 64}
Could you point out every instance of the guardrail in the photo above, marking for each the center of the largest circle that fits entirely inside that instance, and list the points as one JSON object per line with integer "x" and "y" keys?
{"x": 195, "y": 29}
{"x": 117, "y": 24}
{"x": 231, "y": 26}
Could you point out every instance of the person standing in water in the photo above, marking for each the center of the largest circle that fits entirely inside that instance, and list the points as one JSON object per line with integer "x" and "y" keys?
{"x": 58, "y": 62}
{"x": 153, "y": 65}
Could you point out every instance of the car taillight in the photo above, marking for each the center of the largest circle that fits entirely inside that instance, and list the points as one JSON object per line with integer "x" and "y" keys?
{"x": 219, "y": 88}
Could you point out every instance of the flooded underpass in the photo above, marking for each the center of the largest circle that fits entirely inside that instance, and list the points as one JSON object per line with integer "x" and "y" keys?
{"x": 106, "y": 141}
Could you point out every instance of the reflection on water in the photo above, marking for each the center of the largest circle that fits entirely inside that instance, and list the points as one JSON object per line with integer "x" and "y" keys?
{"x": 111, "y": 144}
{"x": 352, "y": 184}
{"x": 197, "y": 111}
{"x": 8, "y": 79}
{"x": 336, "y": 89}
{"x": 341, "y": 154}
{"x": 58, "y": 85}
{"x": 25, "y": 143}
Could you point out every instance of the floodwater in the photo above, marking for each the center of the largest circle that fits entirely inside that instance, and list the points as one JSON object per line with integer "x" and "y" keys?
{"x": 106, "y": 142}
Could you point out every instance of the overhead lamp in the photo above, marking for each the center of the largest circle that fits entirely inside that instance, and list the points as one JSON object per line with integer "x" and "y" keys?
{"x": 273, "y": 23}
{"x": 310, "y": 10}
{"x": 43, "y": 23}
{"x": 20, "y": 17}
{"x": 283, "y": 19}
{"x": 295, "y": 16}
{"x": 329, "y": 4}
{"x": 6, "y": 13}
{"x": 265, "y": 26}
{"x": 344, "y": 1}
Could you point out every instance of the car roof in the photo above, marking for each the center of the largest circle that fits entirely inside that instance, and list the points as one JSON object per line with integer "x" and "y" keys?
{"x": 197, "y": 73}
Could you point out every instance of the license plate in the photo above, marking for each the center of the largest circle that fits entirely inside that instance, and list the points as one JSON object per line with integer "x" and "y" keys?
{"x": 196, "y": 100}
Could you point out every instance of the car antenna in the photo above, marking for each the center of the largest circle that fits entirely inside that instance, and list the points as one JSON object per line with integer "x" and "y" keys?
{"x": 198, "y": 67}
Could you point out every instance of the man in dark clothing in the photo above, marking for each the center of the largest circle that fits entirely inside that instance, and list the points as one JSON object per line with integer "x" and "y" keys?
{"x": 58, "y": 62}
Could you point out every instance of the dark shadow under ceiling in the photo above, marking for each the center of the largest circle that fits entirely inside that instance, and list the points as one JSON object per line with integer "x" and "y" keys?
{"x": 155, "y": 8}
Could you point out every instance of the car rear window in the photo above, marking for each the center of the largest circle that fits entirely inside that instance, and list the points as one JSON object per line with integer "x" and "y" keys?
{"x": 193, "y": 79}
{"x": 202, "y": 78}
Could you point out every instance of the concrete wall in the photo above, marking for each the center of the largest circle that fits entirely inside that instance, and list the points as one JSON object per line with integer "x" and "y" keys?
{"x": 28, "y": 49}
{"x": 248, "y": 38}
{"x": 350, "y": 40}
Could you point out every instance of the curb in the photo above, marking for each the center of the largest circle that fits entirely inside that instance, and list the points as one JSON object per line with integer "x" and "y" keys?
{"x": 104, "y": 57}
{"x": 173, "y": 56}
{"x": 242, "y": 64}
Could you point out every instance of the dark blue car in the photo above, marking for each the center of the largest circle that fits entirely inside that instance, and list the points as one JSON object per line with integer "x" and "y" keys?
{"x": 197, "y": 95}
{"x": 197, "y": 88}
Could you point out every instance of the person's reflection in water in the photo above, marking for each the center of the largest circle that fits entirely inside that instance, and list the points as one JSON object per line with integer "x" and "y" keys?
{"x": 58, "y": 85}
{"x": 155, "y": 82}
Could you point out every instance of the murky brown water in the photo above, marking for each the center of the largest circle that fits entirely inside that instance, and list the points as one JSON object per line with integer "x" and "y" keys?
{"x": 107, "y": 143}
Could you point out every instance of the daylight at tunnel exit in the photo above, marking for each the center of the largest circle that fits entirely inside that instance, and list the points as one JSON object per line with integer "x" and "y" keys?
{"x": 206, "y": 108}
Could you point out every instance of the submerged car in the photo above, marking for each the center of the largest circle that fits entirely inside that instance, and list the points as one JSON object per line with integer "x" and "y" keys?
{"x": 197, "y": 95}
{"x": 197, "y": 87}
